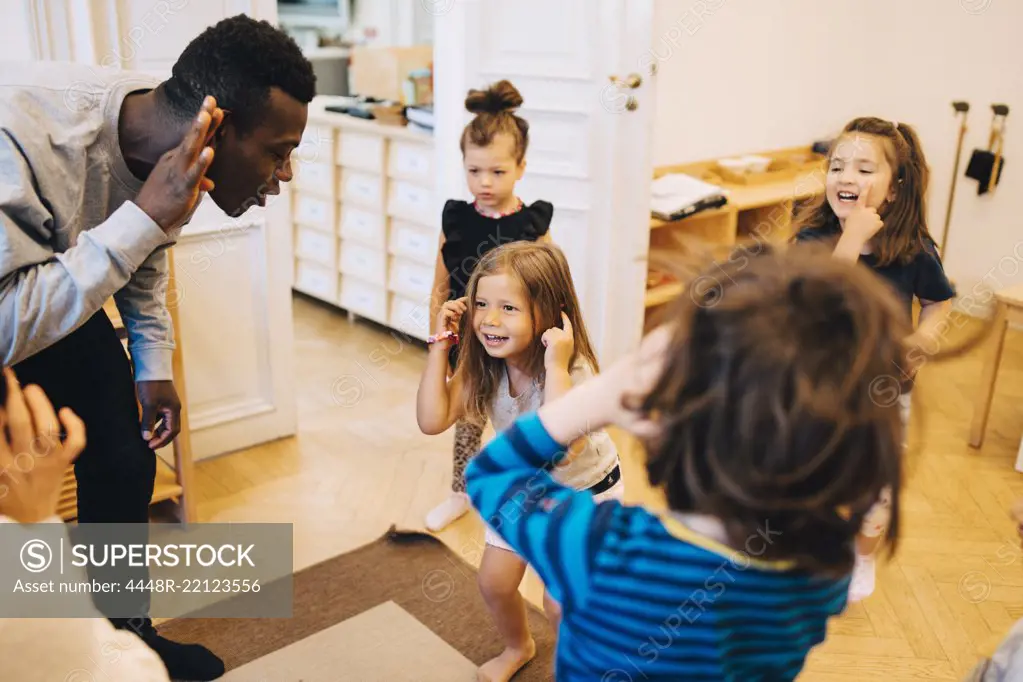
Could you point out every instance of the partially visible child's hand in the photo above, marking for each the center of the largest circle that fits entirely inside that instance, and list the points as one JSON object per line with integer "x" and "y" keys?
{"x": 559, "y": 344}
{"x": 597, "y": 402}
{"x": 29, "y": 492}
{"x": 635, "y": 376}
{"x": 451, "y": 314}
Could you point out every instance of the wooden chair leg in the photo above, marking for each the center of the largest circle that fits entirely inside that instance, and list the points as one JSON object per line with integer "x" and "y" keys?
{"x": 183, "y": 464}
{"x": 986, "y": 390}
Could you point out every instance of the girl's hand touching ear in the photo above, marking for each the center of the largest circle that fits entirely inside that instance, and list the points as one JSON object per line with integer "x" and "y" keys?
{"x": 560, "y": 344}
{"x": 450, "y": 314}
{"x": 597, "y": 402}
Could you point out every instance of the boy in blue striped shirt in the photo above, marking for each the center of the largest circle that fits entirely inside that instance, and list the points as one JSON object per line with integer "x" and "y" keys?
{"x": 755, "y": 407}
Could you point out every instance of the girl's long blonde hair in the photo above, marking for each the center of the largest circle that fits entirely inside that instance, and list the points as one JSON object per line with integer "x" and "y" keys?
{"x": 543, "y": 272}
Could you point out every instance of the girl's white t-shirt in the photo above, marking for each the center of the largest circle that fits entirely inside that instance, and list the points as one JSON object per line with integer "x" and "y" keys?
{"x": 593, "y": 463}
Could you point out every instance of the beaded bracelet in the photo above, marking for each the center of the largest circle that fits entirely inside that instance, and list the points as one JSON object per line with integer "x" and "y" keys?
{"x": 447, "y": 334}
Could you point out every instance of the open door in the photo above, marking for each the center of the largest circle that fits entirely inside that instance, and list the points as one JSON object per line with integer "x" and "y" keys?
{"x": 589, "y": 101}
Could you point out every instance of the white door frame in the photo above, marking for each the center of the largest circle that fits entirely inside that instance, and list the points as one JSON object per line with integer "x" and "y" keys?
{"x": 615, "y": 278}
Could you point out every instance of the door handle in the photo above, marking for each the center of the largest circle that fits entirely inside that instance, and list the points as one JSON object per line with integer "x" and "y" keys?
{"x": 632, "y": 81}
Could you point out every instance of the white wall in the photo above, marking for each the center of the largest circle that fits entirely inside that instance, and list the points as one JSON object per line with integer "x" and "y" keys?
{"x": 397, "y": 22}
{"x": 15, "y": 33}
{"x": 738, "y": 76}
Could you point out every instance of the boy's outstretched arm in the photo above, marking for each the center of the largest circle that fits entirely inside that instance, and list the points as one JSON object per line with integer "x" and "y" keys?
{"x": 557, "y": 530}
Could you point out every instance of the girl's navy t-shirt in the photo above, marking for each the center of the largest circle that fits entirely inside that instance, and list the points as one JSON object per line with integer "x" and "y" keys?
{"x": 924, "y": 277}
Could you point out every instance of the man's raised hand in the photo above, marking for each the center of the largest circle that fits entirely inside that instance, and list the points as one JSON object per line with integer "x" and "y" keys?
{"x": 178, "y": 180}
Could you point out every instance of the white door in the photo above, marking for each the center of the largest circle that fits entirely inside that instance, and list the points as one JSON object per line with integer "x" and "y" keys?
{"x": 233, "y": 276}
{"x": 589, "y": 151}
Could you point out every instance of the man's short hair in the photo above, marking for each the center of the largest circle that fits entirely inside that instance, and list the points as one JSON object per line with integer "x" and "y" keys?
{"x": 237, "y": 61}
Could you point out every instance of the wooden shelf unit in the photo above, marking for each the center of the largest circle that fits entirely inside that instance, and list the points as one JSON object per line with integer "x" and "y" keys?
{"x": 172, "y": 483}
{"x": 365, "y": 222}
{"x": 759, "y": 210}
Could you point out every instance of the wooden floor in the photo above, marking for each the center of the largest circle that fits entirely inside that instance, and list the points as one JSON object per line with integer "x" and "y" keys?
{"x": 359, "y": 465}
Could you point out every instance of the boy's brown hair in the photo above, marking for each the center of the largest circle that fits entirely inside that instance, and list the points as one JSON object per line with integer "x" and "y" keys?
{"x": 545, "y": 277}
{"x": 905, "y": 232}
{"x": 495, "y": 113}
{"x": 774, "y": 410}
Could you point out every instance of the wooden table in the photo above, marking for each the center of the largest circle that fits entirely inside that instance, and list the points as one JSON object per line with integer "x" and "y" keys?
{"x": 1009, "y": 310}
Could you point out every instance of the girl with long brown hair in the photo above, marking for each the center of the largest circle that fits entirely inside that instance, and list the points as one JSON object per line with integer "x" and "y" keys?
{"x": 493, "y": 146}
{"x": 874, "y": 211}
{"x": 523, "y": 343}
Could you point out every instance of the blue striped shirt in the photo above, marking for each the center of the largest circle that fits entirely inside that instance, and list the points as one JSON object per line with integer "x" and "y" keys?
{"x": 643, "y": 597}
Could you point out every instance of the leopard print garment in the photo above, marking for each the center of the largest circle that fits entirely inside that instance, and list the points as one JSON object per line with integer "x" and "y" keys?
{"x": 468, "y": 436}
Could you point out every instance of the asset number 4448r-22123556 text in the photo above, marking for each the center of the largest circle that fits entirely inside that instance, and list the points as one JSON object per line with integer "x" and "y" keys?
{"x": 194, "y": 585}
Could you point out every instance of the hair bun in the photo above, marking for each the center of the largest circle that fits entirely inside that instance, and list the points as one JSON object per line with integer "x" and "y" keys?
{"x": 501, "y": 96}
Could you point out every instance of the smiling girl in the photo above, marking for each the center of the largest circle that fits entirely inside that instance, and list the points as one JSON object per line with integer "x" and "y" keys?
{"x": 523, "y": 343}
{"x": 874, "y": 211}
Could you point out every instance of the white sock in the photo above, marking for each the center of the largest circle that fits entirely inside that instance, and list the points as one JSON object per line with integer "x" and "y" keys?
{"x": 863, "y": 578}
{"x": 447, "y": 511}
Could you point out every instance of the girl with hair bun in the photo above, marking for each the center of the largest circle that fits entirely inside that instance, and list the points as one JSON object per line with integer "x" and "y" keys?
{"x": 493, "y": 146}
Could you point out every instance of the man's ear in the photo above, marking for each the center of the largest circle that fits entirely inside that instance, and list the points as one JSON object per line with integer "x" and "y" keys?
{"x": 221, "y": 131}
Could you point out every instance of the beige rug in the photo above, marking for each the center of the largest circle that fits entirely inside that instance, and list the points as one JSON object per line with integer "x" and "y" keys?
{"x": 404, "y": 607}
{"x": 384, "y": 643}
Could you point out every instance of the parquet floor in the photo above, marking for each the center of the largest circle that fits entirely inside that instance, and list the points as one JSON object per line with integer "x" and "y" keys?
{"x": 359, "y": 465}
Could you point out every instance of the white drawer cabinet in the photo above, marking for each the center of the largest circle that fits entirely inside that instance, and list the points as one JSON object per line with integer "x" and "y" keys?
{"x": 410, "y": 278}
{"x": 364, "y": 298}
{"x": 314, "y": 211}
{"x": 364, "y": 226}
{"x": 316, "y": 280}
{"x": 364, "y": 219}
{"x": 315, "y": 177}
{"x": 364, "y": 262}
{"x": 413, "y": 161}
{"x": 362, "y": 189}
{"x": 361, "y": 150}
{"x": 410, "y": 201}
{"x": 410, "y": 316}
{"x": 413, "y": 241}
{"x": 316, "y": 146}
{"x": 316, "y": 246}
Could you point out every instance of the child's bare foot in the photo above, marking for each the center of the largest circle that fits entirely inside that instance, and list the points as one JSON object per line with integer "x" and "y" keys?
{"x": 504, "y": 667}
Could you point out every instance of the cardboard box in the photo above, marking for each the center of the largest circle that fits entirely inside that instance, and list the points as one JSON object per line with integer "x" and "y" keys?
{"x": 382, "y": 71}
